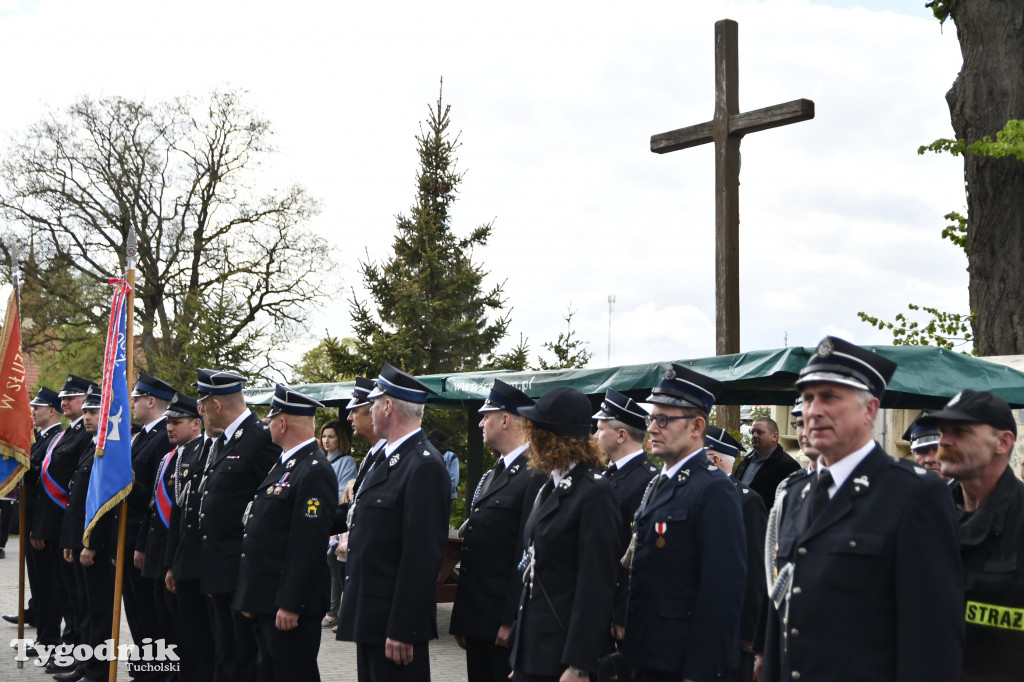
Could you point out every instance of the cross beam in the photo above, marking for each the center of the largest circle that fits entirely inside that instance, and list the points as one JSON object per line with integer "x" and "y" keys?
{"x": 726, "y": 130}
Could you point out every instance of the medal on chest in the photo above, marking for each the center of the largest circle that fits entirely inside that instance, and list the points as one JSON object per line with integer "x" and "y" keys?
{"x": 660, "y": 528}
{"x": 278, "y": 487}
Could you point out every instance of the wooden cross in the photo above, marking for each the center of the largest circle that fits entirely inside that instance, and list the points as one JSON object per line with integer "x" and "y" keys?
{"x": 726, "y": 130}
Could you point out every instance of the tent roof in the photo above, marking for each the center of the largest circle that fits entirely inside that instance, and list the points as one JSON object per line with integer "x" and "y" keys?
{"x": 926, "y": 378}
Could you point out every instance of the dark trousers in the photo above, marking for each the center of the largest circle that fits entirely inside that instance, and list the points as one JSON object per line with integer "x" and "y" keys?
{"x": 235, "y": 649}
{"x": 96, "y": 585}
{"x": 6, "y": 518}
{"x": 745, "y": 673}
{"x": 48, "y": 593}
{"x": 486, "y": 661}
{"x": 337, "y": 569}
{"x": 74, "y": 607}
{"x": 195, "y": 636}
{"x": 289, "y": 655}
{"x": 373, "y": 665}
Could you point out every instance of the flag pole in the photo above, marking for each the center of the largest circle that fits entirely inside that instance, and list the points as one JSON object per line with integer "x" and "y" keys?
{"x": 22, "y": 508}
{"x": 122, "y": 528}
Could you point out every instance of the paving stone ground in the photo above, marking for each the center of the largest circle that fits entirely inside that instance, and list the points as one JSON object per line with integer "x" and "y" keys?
{"x": 337, "y": 659}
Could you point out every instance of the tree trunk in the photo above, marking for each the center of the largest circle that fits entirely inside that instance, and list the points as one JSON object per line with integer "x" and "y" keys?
{"x": 987, "y": 93}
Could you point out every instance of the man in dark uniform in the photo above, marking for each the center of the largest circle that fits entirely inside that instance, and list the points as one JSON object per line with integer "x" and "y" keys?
{"x": 924, "y": 444}
{"x": 149, "y": 401}
{"x": 722, "y": 450}
{"x": 869, "y": 582}
{"x": 236, "y": 466}
{"x": 492, "y": 539}
{"x": 767, "y": 464}
{"x": 682, "y": 620}
{"x": 621, "y": 429}
{"x": 55, "y": 474}
{"x": 183, "y": 430}
{"x": 43, "y": 608}
{"x": 283, "y": 582}
{"x": 91, "y": 561}
{"x": 397, "y": 539}
{"x": 978, "y": 432}
{"x": 184, "y": 547}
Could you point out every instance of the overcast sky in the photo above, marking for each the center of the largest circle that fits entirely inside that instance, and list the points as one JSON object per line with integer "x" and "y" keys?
{"x": 556, "y": 103}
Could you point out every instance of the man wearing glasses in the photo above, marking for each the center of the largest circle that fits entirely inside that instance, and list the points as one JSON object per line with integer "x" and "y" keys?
{"x": 689, "y": 556}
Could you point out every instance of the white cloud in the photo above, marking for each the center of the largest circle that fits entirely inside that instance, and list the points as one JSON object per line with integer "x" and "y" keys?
{"x": 556, "y": 103}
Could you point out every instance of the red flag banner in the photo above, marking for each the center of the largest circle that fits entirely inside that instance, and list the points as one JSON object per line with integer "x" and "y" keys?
{"x": 15, "y": 416}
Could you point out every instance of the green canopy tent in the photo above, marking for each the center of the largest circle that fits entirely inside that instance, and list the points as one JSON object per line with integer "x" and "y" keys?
{"x": 925, "y": 379}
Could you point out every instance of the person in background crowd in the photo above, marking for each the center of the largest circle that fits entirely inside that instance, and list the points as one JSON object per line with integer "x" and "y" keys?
{"x": 573, "y": 538}
{"x": 977, "y": 434}
{"x": 451, "y": 462}
{"x": 924, "y": 444}
{"x": 334, "y": 443}
{"x": 767, "y": 464}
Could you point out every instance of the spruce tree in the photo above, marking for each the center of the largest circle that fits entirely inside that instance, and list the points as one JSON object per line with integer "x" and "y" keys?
{"x": 429, "y": 311}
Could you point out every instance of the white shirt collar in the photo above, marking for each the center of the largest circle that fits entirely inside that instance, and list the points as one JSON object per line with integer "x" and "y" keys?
{"x": 377, "y": 446}
{"x": 679, "y": 465}
{"x": 285, "y": 456}
{"x": 558, "y": 474}
{"x": 511, "y": 457}
{"x": 625, "y": 459}
{"x": 230, "y": 430}
{"x": 71, "y": 425}
{"x": 842, "y": 469}
{"x": 390, "y": 448}
{"x": 151, "y": 425}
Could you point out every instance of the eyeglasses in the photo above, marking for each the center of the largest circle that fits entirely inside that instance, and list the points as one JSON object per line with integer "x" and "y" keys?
{"x": 662, "y": 420}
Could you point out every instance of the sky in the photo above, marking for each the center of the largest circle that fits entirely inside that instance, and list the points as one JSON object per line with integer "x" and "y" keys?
{"x": 555, "y": 104}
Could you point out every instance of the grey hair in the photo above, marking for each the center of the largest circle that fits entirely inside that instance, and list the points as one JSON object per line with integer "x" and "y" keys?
{"x": 409, "y": 410}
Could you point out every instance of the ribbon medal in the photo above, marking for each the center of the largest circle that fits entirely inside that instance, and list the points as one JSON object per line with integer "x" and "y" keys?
{"x": 661, "y": 528}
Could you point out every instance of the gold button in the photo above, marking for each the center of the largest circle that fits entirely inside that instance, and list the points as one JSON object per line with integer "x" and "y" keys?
{"x": 802, "y": 551}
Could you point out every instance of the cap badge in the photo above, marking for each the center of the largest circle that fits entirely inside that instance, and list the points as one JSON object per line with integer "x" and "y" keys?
{"x": 670, "y": 374}
{"x": 824, "y": 348}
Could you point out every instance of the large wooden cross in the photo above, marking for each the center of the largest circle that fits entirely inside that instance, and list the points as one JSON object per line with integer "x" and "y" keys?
{"x": 726, "y": 130}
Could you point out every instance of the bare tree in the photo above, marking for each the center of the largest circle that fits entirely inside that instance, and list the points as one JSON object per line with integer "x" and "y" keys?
{"x": 224, "y": 273}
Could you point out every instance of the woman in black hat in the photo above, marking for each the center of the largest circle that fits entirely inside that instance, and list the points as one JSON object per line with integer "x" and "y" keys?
{"x": 573, "y": 539}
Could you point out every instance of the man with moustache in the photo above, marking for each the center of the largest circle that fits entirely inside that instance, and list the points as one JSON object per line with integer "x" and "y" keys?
{"x": 184, "y": 540}
{"x": 492, "y": 539}
{"x": 869, "y": 583}
{"x": 44, "y": 610}
{"x": 978, "y": 432}
{"x": 55, "y": 475}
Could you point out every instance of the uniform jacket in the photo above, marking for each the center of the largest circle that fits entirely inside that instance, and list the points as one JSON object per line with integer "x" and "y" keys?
{"x": 684, "y": 599}
{"x": 877, "y": 590}
{"x": 157, "y": 559}
{"x": 396, "y": 543}
{"x": 63, "y": 462}
{"x": 33, "y": 488}
{"x": 574, "y": 535}
{"x": 73, "y": 524}
{"x": 492, "y": 544}
{"x": 776, "y": 467}
{"x": 148, "y": 449}
{"x": 237, "y": 469}
{"x": 992, "y": 548}
{"x": 183, "y": 537}
{"x": 755, "y": 520}
{"x": 282, "y": 565}
{"x": 628, "y": 484}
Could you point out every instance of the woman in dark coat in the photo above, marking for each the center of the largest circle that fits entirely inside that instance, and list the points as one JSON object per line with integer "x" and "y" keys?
{"x": 574, "y": 536}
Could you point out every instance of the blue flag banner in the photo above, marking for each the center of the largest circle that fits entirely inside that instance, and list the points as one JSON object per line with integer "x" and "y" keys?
{"x": 111, "y": 478}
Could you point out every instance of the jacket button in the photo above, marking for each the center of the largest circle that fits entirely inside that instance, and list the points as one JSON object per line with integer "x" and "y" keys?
{"x": 853, "y": 543}
{"x": 204, "y": 537}
{"x": 802, "y": 551}
{"x": 378, "y": 500}
{"x": 794, "y": 632}
{"x": 476, "y": 509}
{"x": 797, "y": 590}
{"x": 469, "y": 527}
{"x": 795, "y": 675}
{"x": 243, "y": 555}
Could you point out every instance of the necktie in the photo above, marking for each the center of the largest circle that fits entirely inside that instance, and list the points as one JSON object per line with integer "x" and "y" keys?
{"x": 819, "y": 493}
{"x": 610, "y": 471}
{"x": 495, "y": 472}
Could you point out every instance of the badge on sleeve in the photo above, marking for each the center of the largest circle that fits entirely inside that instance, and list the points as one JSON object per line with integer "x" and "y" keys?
{"x": 312, "y": 508}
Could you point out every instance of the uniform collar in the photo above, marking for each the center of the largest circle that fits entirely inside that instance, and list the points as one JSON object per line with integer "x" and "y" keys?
{"x": 285, "y": 456}
{"x": 514, "y": 455}
{"x": 679, "y": 465}
{"x": 233, "y": 426}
